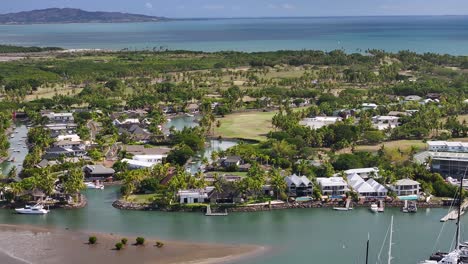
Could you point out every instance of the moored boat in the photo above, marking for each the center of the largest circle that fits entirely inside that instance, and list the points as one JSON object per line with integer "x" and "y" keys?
{"x": 374, "y": 208}
{"x": 92, "y": 185}
{"x": 37, "y": 209}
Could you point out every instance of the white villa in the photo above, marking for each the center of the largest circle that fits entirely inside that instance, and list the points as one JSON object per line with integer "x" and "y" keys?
{"x": 333, "y": 186}
{"x": 385, "y": 122}
{"x": 447, "y": 146}
{"x": 320, "y": 121}
{"x": 144, "y": 161}
{"x": 369, "y": 189}
{"x": 364, "y": 173}
{"x": 369, "y": 106}
{"x": 71, "y": 137}
{"x": 406, "y": 187}
{"x": 192, "y": 196}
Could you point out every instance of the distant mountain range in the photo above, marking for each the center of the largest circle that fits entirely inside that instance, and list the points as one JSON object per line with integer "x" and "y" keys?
{"x": 72, "y": 15}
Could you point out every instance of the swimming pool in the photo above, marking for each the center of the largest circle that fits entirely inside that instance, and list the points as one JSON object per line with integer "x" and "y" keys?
{"x": 303, "y": 199}
{"x": 409, "y": 198}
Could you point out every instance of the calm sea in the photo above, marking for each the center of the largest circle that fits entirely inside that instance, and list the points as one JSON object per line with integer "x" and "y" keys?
{"x": 442, "y": 34}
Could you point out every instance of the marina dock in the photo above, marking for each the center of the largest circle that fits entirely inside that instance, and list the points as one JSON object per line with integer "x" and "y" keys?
{"x": 453, "y": 215}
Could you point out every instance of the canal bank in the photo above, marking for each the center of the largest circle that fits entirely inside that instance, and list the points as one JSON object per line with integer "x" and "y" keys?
{"x": 297, "y": 235}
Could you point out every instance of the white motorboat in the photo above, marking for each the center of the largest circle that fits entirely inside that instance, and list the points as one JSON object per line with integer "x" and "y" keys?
{"x": 37, "y": 209}
{"x": 374, "y": 208}
{"x": 92, "y": 185}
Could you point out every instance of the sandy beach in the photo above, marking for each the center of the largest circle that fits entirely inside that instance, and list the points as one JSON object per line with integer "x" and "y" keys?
{"x": 26, "y": 244}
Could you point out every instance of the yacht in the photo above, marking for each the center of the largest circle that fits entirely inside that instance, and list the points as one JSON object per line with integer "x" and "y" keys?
{"x": 37, "y": 209}
{"x": 459, "y": 255}
{"x": 374, "y": 208}
{"x": 409, "y": 207}
{"x": 92, "y": 185}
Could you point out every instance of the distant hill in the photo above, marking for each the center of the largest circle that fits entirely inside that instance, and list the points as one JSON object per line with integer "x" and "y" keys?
{"x": 71, "y": 15}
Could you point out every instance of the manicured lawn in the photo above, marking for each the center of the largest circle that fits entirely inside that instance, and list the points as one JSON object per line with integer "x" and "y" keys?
{"x": 250, "y": 125}
{"x": 236, "y": 173}
{"x": 141, "y": 198}
{"x": 404, "y": 145}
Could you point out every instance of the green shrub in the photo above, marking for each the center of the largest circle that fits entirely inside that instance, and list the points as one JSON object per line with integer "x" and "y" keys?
{"x": 159, "y": 244}
{"x": 92, "y": 240}
{"x": 140, "y": 240}
{"x": 119, "y": 246}
{"x": 124, "y": 241}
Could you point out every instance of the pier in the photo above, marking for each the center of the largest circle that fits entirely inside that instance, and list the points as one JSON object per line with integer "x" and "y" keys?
{"x": 453, "y": 215}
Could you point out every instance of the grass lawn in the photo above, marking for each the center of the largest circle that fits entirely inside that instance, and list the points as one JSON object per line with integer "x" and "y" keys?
{"x": 141, "y": 198}
{"x": 404, "y": 145}
{"x": 236, "y": 173}
{"x": 250, "y": 125}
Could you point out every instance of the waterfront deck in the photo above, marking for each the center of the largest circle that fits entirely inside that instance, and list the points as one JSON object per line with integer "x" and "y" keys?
{"x": 453, "y": 215}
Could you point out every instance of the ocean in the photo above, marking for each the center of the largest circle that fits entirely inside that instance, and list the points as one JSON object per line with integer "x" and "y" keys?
{"x": 441, "y": 34}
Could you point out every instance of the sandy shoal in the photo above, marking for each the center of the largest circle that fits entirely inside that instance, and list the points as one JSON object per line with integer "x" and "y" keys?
{"x": 28, "y": 244}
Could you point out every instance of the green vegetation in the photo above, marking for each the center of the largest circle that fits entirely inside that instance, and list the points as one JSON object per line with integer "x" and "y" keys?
{"x": 250, "y": 125}
{"x": 124, "y": 241}
{"x": 92, "y": 240}
{"x": 119, "y": 246}
{"x": 140, "y": 241}
{"x": 20, "y": 49}
{"x": 159, "y": 244}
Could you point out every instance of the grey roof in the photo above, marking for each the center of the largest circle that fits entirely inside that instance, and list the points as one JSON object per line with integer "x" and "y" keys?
{"x": 56, "y": 150}
{"x": 404, "y": 182}
{"x": 99, "y": 169}
{"x": 232, "y": 159}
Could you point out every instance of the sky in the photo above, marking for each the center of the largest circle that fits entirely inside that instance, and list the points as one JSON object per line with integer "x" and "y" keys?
{"x": 251, "y": 8}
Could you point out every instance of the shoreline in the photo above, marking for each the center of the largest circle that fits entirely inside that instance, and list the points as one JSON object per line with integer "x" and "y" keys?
{"x": 67, "y": 246}
{"x": 124, "y": 205}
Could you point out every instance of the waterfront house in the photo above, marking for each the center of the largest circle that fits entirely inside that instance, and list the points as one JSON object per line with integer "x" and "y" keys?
{"x": 193, "y": 196}
{"x": 333, "y": 186}
{"x": 366, "y": 189}
{"x": 230, "y": 162}
{"x": 227, "y": 195}
{"x": 136, "y": 133}
{"x": 98, "y": 172}
{"x": 56, "y": 152}
{"x": 70, "y": 137}
{"x": 364, "y": 173}
{"x": 320, "y": 121}
{"x": 406, "y": 187}
{"x": 127, "y": 121}
{"x": 385, "y": 122}
{"x": 144, "y": 161}
{"x": 299, "y": 186}
{"x": 68, "y": 144}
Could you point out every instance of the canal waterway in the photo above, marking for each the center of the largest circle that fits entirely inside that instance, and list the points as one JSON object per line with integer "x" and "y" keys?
{"x": 18, "y": 149}
{"x": 296, "y": 235}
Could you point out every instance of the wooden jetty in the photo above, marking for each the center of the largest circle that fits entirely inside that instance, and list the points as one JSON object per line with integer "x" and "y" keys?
{"x": 453, "y": 215}
{"x": 210, "y": 213}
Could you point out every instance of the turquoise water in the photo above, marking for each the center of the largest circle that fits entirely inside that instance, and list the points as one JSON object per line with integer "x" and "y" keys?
{"x": 443, "y": 34}
{"x": 297, "y": 236}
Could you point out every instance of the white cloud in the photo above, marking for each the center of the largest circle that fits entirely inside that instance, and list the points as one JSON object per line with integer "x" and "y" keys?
{"x": 149, "y": 5}
{"x": 213, "y": 7}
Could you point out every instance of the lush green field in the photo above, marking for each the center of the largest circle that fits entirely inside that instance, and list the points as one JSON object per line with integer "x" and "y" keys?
{"x": 251, "y": 125}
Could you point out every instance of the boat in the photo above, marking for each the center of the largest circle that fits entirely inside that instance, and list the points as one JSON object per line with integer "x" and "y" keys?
{"x": 346, "y": 208}
{"x": 374, "y": 208}
{"x": 210, "y": 213}
{"x": 92, "y": 185}
{"x": 409, "y": 207}
{"x": 381, "y": 207}
{"x": 459, "y": 254}
{"x": 189, "y": 115}
{"x": 12, "y": 159}
{"x": 37, "y": 209}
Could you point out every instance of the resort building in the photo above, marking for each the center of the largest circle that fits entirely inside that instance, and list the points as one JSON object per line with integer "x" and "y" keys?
{"x": 320, "y": 121}
{"x": 333, "y": 186}
{"x": 364, "y": 173}
{"x": 450, "y": 159}
{"x": 406, "y": 187}
{"x": 447, "y": 146}
{"x": 385, "y": 122}
{"x": 58, "y": 117}
{"x": 192, "y": 196}
{"x": 299, "y": 186}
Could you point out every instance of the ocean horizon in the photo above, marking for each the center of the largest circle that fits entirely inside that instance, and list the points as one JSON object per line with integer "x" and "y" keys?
{"x": 440, "y": 34}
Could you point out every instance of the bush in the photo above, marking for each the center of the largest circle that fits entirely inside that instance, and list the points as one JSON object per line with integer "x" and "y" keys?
{"x": 140, "y": 240}
{"x": 159, "y": 244}
{"x": 92, "y": 240}
{"x": 124, "y": 241}
{"x": 119, "y": 246}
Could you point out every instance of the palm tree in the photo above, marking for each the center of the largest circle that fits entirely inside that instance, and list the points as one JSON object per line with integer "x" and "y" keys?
{"x": 277, "y": 182}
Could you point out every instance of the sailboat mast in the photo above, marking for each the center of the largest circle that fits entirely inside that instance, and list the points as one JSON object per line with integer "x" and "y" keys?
{"x": 460, "y": 201}
{"x": 390, "y": 242}
{"x": 367, "y": 249}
